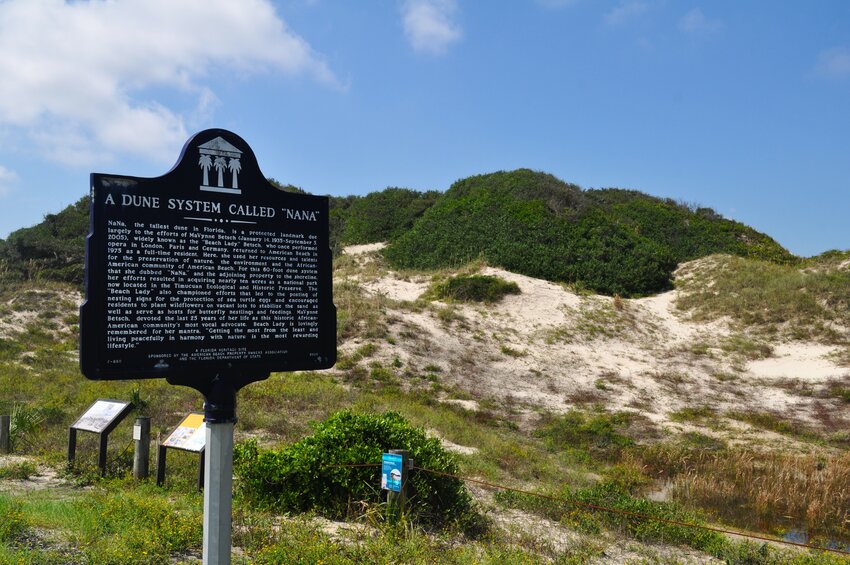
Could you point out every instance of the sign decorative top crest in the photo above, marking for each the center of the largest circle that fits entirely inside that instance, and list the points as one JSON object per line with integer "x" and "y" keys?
{"x": 221, "y": 155}
{"x": 208, "y": 271}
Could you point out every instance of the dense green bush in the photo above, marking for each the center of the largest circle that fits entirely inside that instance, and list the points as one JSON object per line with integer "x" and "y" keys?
{"x": 309, "y": 476}
{"x": 474, "y": 288}
{"x": 51, "y": 250}
{"x": 551, "y": 235}
{"x": 385, "y": 215}
{"x": 611, "y": 241}
{"x": 687, "y": 231}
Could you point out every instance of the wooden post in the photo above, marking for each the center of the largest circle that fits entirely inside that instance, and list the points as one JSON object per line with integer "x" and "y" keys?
{"x": 5, "y": 434}
{"x": 141, "y": 457}
{"x": 101, "y": 453}
{"x": 72, "y": 444}
{"x": 160, "y": 464}
{"x": 396, "y": 501}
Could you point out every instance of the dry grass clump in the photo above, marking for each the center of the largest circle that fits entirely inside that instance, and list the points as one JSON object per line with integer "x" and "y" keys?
{"x": 779, "y": 300}
{"x": 359, "y": 313}
{"x": 601, "y": 319}
{"x": 814, "y": 490}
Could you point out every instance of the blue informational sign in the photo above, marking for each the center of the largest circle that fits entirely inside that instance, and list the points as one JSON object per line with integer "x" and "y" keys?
{"x": 391, "y": 472}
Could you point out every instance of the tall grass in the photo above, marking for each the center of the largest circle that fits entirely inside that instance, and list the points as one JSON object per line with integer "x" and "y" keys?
{"x": 748, "y": 487}
{"x": 804, "y": 489}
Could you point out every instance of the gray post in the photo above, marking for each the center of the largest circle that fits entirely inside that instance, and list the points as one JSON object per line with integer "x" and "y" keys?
{"x": 396, "y": 501}
{"x": 141, "y": 457}
{"x": 218, "y": 493}
{"x": 5, "y": 437}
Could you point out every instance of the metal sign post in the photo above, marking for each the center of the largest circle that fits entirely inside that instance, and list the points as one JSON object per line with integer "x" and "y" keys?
{"x": 220, "y": 416}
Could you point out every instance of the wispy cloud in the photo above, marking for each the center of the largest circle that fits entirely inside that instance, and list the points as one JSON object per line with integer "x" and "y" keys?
{"x": 74, "y": 73}
{"x": 430, "y": 26}
{"x": 696, "y": 22}
{"x": 7, "y": 177}
{"x": 834, "y": 62}
{"x": 556, "y": 3}
{"x": 625, "y": 11}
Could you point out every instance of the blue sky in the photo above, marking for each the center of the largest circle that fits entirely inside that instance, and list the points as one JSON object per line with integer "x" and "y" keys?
{"x": 740, "y": 106}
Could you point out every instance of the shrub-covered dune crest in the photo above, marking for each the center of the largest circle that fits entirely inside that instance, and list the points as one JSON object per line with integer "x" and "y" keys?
{"x": 611, "y": 241}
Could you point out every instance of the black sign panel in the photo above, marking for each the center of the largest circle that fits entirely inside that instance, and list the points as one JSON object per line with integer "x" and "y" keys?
{"x": 206, "y": 272}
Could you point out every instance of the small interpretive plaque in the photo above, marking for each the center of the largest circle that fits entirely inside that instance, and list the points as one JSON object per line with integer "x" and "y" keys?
{"x": 208, "y": 271}
{"x": 101, "y": 415}
{"x": 391, "y": 472}
{"x": 189, "y": 435}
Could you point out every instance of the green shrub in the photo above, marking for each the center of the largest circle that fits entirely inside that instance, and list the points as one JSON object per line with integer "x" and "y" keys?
{"x": 596, "y": 434}
{"x": 474, "y": 288}
{"x": 52, "y": 250}
{"x": 687, "y": 231}
{"x": 531, "y": 223}
{"x": 18, "y": 471}
{"x": 385, "y": 215}
{"x": 310, "y": 475}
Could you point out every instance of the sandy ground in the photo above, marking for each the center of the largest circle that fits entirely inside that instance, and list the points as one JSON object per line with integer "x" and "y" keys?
{"x": 551, "y": 349}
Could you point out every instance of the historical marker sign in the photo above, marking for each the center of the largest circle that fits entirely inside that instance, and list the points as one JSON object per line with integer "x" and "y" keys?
{"x": 206, "y": 272}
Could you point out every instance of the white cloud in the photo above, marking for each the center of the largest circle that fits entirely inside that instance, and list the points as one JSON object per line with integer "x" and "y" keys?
{"x": 429, "y": 25}
{"x": 696, "y": 22}
{"x": 624, "y": 11}
{"x": 834, "y": 62}
{"x": 74, "y": 73}
{"x": 7, "y": 177}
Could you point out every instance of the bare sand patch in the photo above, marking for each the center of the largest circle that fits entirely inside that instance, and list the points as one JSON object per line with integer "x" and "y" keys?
{"x": 805, "y": 361}
{"x": 365, "y": 248}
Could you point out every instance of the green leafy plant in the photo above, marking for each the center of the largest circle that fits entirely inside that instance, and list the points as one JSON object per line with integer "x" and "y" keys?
{"x": 315, "y": 474}
{"x": 18, "y": 471}
{"x": 23, "y": 422}
{"x": 595, "y": 434}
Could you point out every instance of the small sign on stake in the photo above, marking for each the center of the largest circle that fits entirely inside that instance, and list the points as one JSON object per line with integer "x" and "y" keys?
{"x": 100, "y": 415}
{"x": 391, "y": 469}
{"x": 189, "y": 435}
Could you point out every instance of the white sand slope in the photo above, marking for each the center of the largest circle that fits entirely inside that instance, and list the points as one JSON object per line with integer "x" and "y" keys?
{"x": 551, "y": 349}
